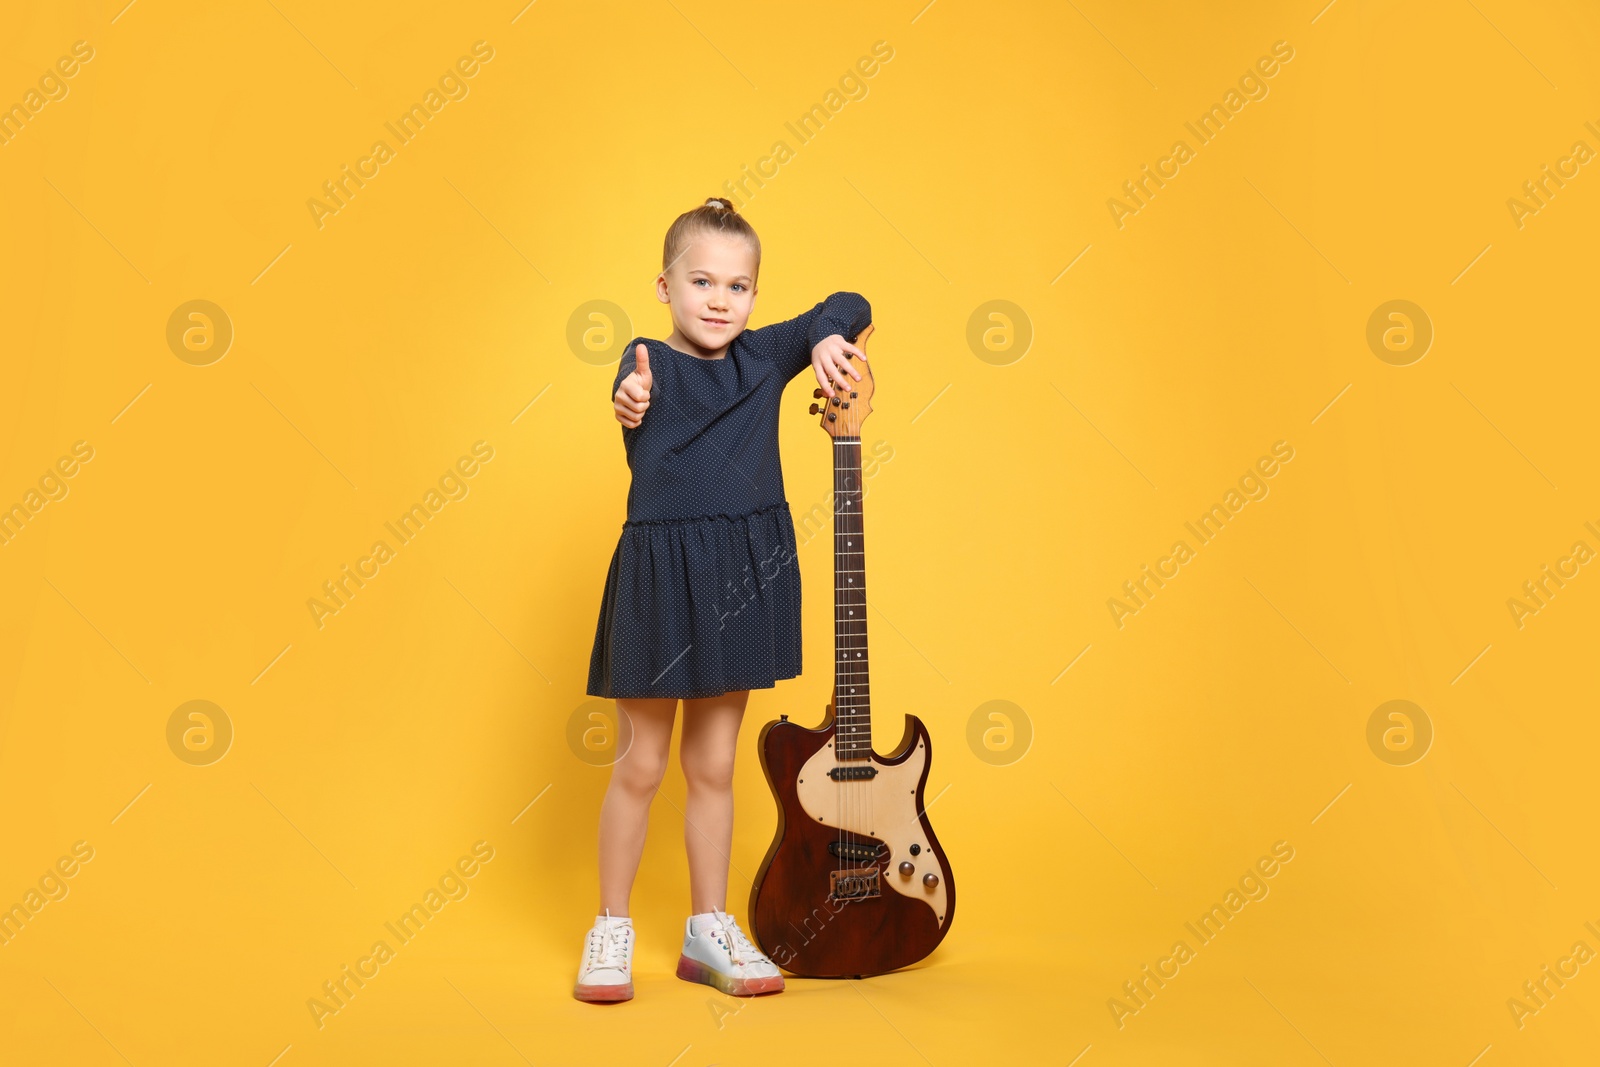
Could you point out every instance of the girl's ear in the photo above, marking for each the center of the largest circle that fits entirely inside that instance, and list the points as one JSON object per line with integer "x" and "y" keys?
{"x": 662, "y": 293}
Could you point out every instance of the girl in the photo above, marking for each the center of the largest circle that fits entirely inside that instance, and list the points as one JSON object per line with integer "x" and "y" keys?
{"x": 702, "y": 602}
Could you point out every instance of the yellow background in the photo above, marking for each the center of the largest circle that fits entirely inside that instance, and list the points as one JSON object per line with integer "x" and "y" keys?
{"x": 1228, "y": 714}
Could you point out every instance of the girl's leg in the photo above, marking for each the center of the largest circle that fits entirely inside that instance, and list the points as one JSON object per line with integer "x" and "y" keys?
{"x": 625, "y": 813}
{"x": 710, "y": 736}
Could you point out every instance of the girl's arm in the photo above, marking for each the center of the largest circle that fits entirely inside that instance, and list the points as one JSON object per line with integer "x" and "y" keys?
{"x": 789, "y": 344}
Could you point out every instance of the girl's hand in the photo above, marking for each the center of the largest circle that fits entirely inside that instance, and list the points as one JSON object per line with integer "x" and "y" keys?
{"x": 830, "y": 359}
{"x": 633, "y": 395}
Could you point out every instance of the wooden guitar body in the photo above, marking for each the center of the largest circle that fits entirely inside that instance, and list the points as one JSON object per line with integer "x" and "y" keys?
{"x": 800, "y": 914}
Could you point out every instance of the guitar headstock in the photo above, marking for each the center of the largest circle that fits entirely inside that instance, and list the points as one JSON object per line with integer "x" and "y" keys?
{"x": 843, "y": 413}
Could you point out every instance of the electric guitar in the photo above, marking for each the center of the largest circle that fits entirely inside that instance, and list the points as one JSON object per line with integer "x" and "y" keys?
{"x": 855, "y": 882}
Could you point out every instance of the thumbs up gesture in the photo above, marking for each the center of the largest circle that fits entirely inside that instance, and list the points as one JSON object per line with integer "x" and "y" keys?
{"x": 633, "y": 396}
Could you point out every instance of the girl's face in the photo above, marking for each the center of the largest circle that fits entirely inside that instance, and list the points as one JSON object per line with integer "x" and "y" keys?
{"x": 711, "y": 290}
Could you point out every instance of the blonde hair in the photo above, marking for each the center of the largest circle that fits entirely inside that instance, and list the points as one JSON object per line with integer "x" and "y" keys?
{"x": 716, "y": 216}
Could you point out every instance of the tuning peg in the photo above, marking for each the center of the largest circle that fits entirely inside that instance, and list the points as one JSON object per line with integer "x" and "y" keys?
{"x": 817, "y": 391}
{"x": 815, "y": 409}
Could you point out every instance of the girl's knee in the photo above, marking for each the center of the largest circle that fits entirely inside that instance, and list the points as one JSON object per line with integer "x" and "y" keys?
{"x": 648, "y": 737}
{"x": 707, "y": 771}
{"x": 640, "y": 773}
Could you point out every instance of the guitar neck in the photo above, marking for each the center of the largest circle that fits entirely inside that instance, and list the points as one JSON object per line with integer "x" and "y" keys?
{"x": 852, "y": 691}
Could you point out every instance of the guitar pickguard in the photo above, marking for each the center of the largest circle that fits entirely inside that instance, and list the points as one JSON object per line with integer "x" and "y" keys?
{"x": 882, "y": 807}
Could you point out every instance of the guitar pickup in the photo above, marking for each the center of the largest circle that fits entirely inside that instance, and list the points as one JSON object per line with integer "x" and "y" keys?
{"x": 855, "y": 850}
{"x": 852, "y": 774}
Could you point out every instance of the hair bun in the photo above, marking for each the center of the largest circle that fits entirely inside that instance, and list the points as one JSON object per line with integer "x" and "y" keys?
{"x": 718, "y": 202}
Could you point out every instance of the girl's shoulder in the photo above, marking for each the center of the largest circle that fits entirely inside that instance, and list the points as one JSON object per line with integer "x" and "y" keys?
{"x": 630, "y": 358}
{"x": 630, "y": 350}
{"x": 658, "y": 349}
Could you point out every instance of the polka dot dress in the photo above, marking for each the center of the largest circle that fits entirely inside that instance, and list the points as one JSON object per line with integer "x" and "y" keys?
{"x": 703, "y": 593}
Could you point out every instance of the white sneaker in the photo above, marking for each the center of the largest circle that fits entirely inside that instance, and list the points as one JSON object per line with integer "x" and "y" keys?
{"x": 606, "y": 973}
{"x": 725, "y": 958}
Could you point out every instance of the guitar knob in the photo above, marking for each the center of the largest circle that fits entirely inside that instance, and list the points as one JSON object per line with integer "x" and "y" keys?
{"x": 817, "y": 391}
{"x": 930, "y": 879}
{"x": 815, "y": 409}
{"x": 906, "y": 867}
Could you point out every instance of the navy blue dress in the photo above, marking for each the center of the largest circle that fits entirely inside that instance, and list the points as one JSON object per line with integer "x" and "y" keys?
{"x": 703, "y": 594}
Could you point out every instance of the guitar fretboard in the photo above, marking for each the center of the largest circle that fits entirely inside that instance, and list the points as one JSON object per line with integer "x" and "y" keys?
{"x": 852, "y": 691}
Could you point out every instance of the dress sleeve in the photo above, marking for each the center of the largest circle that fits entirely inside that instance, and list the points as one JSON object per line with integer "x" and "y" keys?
{"x": 789, "y": 344}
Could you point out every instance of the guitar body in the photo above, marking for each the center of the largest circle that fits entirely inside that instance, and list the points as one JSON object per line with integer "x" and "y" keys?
{"x": 855, "y": 883}
{"x": 876, "y": 922}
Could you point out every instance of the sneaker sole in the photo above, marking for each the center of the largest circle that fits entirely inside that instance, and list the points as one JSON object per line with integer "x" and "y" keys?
{"x": 603, "y": 994}
{"x": 694, "y": 971}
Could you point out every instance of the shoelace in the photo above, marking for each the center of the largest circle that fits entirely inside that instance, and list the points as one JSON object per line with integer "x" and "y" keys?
{"x": 742, "y": 951}
{"x": 610, "y": 948}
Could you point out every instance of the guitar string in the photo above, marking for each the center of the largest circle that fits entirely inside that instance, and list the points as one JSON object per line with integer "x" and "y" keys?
{"x": 842, "y": 690}
{"x": 839, "y": 695}
{"x": 855, "y": 734}
{"x": 852, "y": 486}
{"x": 855, "y": 725}
{"x": 866, "y": 793}
{"x": 838, "y": 689}
{"x": 845, "y": 526}
{"x": 844, "y": 640}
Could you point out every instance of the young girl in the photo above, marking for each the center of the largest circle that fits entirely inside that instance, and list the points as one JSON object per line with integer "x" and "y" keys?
{"x": 702, "y": 602}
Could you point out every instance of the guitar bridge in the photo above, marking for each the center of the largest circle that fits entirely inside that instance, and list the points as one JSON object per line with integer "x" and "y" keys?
{"x": 856, "y": 883}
